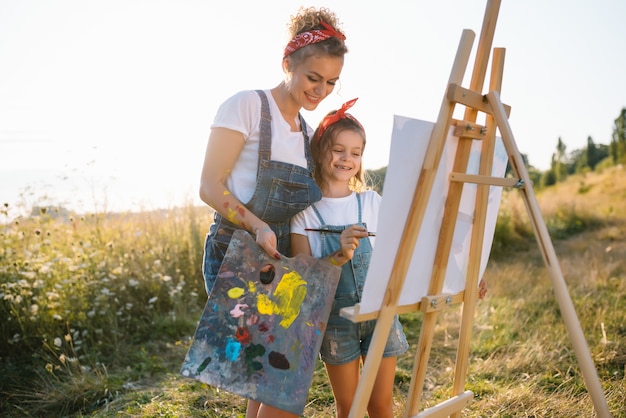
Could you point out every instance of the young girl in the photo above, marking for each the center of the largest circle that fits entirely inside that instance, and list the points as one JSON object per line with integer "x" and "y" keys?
{"x": 347, "y": 211}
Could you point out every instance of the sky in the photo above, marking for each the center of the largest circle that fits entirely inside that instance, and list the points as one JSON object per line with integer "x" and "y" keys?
{"x": 106, "y": 105}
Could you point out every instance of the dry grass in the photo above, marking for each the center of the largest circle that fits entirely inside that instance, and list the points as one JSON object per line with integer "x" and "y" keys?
{"x": 522, "y": 362}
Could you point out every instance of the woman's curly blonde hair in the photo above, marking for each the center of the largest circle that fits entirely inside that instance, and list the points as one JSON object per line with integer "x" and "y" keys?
{"x": 309, "y": 18}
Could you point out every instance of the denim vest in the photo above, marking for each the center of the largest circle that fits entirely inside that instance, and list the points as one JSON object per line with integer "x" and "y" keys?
{"x": 282, "y": 190}
{"x": 354, "y": 272}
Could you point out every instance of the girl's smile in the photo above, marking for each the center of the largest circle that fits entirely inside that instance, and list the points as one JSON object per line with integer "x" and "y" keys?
{"x": 344, "y": 160}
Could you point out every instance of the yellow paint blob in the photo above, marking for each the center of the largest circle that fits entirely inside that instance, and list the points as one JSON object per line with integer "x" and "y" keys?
{"x": 286, "y": 300}
{"x": 235, "y": 292}
{"x": 251, "y": 287}
{"x": 231, "y": 216}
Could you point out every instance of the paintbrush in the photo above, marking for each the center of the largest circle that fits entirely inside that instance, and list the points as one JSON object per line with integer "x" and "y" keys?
{"x": 369, "y": 234}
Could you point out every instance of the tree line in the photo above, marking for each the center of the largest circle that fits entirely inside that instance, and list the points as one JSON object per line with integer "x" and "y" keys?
{"x": 593, "y": 156}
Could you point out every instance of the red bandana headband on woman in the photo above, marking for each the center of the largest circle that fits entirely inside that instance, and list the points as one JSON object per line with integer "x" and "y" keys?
{"x": 312, "y": 37}
{"x": 337, "y": 116}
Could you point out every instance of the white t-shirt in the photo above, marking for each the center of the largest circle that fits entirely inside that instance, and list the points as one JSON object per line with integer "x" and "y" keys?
{"x": 337, "y": 211}
{"x": 242, "y": 113}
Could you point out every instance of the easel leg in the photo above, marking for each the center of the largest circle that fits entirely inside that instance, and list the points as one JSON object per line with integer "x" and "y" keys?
{"x": 549, "y": 256}
{"x": 421, "y": 364}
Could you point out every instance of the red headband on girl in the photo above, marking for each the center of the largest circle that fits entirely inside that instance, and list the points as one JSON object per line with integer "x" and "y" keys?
{"x": 337, "y": 116}
{"x": 312, "y": 37}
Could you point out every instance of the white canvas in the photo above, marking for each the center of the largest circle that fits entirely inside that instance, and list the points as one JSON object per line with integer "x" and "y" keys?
{"x": 409, "y": 143}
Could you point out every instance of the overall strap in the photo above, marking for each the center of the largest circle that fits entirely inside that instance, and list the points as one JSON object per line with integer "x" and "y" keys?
{"x": 319, "y": 215}
{"x": 307, "y": 144}
{"x": 358, "y": 199}
{"x": 265, "y": 142}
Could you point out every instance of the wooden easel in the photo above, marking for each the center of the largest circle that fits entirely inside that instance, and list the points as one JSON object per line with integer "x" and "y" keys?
{"x": 467, "y": 130}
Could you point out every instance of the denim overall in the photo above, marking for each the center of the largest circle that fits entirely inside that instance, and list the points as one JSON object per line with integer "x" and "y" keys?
{"x": 344, "y": 340}
{"x": 282, "y": 190}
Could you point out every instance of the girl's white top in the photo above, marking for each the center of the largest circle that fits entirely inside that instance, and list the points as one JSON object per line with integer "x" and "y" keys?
{"x": 337, "y": 211}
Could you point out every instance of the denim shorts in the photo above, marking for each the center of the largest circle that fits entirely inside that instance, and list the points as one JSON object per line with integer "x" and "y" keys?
{"x": 345, "y": 341}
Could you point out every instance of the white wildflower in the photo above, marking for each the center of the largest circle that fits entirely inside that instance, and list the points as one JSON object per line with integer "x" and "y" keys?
{"x": 153, "y": 299}
{"x": 58, "y": 342}
{"x": 105, "y": 291}
{"x": 45, "y": 269}
{"x": 133, "y": 282}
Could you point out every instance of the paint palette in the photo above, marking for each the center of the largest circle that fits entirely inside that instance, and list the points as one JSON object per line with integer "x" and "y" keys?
{"x": 260, "y": 334}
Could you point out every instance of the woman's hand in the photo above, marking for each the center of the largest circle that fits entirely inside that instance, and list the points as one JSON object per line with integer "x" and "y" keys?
{"x": 266, "y": 238}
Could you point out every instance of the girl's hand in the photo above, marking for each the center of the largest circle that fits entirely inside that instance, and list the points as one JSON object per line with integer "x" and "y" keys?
{"x": 350, "y": 240}
{"x": 266, "y": 238}
{"x": 482, "y": 289}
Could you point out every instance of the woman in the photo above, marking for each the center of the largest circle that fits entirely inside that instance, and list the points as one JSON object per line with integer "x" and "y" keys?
{"x": 257, "y": 170}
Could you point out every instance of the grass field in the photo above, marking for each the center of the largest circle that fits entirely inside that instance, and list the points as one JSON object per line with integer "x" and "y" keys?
{"x": 97, "y": 313}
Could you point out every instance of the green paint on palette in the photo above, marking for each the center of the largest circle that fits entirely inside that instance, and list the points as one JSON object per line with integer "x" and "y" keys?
{"x": 203, "y": 365}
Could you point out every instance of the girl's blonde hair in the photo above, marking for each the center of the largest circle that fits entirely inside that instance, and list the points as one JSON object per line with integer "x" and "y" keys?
{"x": 321, "y": 147}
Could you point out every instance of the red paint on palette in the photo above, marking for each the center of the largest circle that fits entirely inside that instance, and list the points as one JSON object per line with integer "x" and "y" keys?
{"x": 243, "y": 335}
